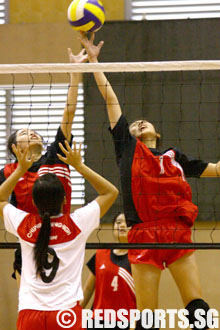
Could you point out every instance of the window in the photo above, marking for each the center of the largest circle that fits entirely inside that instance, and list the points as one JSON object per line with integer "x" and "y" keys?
{"x": 3, "y": 11}
{"x": 172, "y": 9}
{"x": 40, "y": 108}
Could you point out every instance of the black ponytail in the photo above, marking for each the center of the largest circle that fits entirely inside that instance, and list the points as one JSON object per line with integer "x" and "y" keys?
{"x": 48, "y": 195}
{"x": 41, "y": 246}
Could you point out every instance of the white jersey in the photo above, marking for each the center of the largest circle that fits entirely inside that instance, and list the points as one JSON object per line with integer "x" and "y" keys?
{"x": 60, "y": 286}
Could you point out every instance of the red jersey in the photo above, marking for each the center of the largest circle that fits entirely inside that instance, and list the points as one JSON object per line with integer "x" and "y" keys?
{"x": 153, "y": 183}
{"x": 114, "y": 285}
{"x": 159, "y": 188}
{"x": 48, "y": 163}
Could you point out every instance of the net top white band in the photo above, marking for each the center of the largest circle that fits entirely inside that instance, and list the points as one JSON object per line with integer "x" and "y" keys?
{"x": 110, "y": 67}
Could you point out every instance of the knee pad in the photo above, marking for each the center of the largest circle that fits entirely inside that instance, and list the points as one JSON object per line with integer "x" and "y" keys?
{"x": 192, "y": 307}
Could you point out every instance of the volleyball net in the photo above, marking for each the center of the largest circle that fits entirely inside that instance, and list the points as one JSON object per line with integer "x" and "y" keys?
{"x": 182, "y": 100}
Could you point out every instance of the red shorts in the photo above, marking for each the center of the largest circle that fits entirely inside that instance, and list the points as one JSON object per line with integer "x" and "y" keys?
{"x": 50, "y": 320}
{"x": 165, "y": 232}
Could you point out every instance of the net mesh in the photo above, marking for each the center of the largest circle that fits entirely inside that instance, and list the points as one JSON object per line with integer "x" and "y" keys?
{"x": 180, "y": 98}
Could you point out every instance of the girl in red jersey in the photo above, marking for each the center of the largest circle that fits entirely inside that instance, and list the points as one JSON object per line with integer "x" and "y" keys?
{"x": 52, "y": 242}
{"x": 43, "y": 163}
{"x": 157, "y": 201}
{"x": 110, "y": 276}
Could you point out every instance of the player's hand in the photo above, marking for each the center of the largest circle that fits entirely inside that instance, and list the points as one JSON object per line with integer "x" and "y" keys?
{"x": 79, "y": 58}
{"x": 24, "y": 161}
{"x": 73, "y": 156}
{"x": 92, "y": 50}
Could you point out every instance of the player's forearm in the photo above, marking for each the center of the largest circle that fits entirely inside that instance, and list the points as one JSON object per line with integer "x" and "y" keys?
{"x": 103, "y": 84}
{"x": 9, "y": 184}
{"x": 108, "y": 94}
{"x": 87, "y": 295}
{"x": 105, "y": 89}
{"x": 88, "y": 290}
{"x": 72, "y": 93}
{"x": 212, "y": 170}
{"x": 70, "y": 108}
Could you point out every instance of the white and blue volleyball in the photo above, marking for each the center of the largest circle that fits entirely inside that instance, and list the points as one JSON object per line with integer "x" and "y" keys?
{"x": 86, "y": 15}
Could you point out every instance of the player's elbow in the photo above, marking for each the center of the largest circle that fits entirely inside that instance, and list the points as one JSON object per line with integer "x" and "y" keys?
{"x": 112, "y": 195}
{"x": 107, "y": 199}
{"x": 115, "y": 193}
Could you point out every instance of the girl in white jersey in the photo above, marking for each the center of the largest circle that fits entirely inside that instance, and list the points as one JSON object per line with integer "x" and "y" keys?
{"x": 52, "y": 243}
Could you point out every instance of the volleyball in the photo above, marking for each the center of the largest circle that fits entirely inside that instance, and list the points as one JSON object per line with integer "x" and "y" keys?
{"x": 86, "y": 15}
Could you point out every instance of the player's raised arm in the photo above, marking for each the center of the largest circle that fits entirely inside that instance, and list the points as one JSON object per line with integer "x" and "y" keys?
{"x": 107, "y": 192}
{"x": 70, "y": 108}
{"x": 111, "y": 100}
